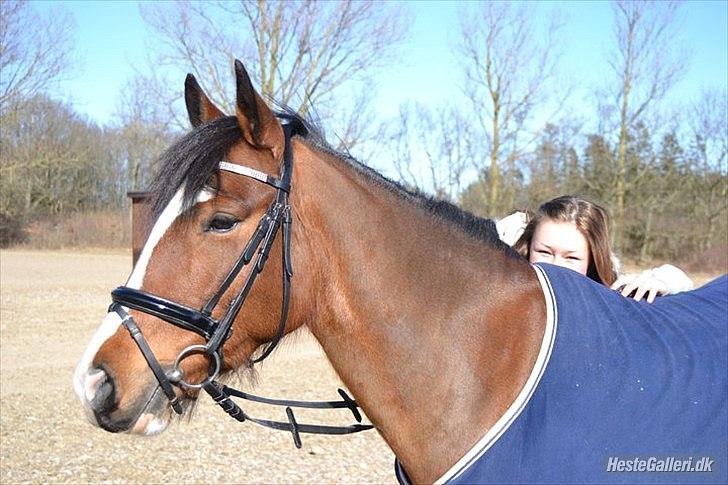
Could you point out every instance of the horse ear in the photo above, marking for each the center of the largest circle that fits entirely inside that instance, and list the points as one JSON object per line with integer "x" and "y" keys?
{"x": 259, "y": 125}
{"x": 199, "y": 107}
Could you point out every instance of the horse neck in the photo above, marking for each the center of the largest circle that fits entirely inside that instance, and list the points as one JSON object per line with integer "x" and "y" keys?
{"x": 412, "y": 313}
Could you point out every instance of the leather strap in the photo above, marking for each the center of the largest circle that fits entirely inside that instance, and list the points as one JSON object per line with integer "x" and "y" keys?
{"x": 221, "y": 396}
{"x": 245, "y": 257}
{"x": 152, "y": 361}
{"x": 287, "y": 273}
{"x": 169, "y": 311}
{"x": 255, "y": 174}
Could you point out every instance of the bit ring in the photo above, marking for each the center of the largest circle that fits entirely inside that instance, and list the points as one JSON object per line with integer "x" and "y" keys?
{"x": 176, "y": 374}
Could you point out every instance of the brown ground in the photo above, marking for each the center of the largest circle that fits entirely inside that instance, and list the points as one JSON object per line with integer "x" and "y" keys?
{"x": 51, "y": 303}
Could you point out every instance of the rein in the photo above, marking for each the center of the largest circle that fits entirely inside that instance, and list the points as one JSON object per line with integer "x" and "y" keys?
{"x": 216, "y": 332}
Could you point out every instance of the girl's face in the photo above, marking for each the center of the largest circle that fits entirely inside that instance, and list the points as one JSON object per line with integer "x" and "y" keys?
{"x": 560, "y": 243}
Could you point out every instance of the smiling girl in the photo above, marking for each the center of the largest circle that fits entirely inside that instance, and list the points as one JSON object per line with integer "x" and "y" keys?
{"x": 574, "y": 233}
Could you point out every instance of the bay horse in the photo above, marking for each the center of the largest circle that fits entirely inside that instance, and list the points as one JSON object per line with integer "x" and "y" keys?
{"x": 472, "y": 364}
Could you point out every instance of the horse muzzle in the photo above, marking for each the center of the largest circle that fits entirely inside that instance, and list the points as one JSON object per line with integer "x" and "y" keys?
{"x": 147, "y": 415}
{"x": 138, "y": 407}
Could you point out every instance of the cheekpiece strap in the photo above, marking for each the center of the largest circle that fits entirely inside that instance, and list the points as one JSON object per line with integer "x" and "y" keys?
{"x": 154, "y": 365}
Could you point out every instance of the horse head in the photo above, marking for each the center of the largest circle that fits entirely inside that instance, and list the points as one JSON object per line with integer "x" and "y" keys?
{"x": 218, "y": 226}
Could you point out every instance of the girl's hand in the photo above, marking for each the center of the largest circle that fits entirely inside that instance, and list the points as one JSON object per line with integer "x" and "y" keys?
{"x": 664, "y": 280}
{"x": 645, "y": 283}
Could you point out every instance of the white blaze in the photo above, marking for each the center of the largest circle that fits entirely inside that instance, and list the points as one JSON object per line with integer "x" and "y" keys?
{"x": 166, "y": 219}
{"x": 111, "y": 323}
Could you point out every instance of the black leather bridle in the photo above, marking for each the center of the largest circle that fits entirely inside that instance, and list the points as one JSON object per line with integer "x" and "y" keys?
{"x": 216, "y": 332}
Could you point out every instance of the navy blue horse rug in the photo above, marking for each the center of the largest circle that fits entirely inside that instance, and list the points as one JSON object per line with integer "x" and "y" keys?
{"x": 622, "y": 392}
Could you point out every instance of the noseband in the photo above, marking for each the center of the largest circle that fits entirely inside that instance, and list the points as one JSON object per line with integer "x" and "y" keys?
{"x": 216, "y": 332}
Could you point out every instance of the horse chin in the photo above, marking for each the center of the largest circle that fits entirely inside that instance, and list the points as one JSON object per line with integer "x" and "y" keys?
{"x": 149, "y": 424}
{"x": 154, "y": 417}
{"x": 150, "y": 417}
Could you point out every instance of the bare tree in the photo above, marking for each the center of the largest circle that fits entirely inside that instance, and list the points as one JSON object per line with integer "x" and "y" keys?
{"x": 709, "y": 188}
{"x": 508, "y": 67}
{"x": 646, "y": 65}
{"x": 35, "y": 50}
{"x": 430, "y": 149}
{"x": 54, "y": 161}
{"x": 708, "y": 119}
{"x": 309, "y": 55}
{"x": 142, "y": 135}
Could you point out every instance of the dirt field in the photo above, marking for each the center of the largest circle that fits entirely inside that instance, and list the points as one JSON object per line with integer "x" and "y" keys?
{"x": 50, "y": 305}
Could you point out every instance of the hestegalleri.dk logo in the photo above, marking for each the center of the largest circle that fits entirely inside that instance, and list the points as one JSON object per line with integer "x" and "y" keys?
{"x": 663, "y": 464}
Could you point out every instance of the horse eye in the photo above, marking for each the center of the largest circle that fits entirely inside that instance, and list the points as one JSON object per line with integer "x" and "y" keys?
{"x": 222, "y": 223}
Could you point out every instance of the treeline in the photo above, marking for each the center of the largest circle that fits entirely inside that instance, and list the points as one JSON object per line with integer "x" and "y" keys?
{"x": 676, "y": 198}
{"x": 506, "y": 139}
{"x": 56, "y": 163}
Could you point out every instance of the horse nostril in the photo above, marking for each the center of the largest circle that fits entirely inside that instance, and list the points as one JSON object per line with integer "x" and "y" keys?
{"x": 104, "y": 400}
{"x": 91, "y": 383}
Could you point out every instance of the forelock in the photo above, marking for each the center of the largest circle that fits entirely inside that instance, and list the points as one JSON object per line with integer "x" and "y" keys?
{"x": 192, "y": 161}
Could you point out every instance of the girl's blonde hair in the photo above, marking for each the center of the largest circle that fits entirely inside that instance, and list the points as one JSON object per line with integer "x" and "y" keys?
{"x": 590, "y": 219}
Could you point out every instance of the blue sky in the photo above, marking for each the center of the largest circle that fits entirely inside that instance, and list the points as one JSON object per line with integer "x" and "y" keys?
{"x": 111, "y": 37}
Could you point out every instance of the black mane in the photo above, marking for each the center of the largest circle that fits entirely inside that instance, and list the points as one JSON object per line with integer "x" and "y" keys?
{"x": 193, "y": 160}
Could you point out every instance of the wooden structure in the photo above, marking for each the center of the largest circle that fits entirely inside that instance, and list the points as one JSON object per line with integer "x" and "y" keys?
{"x": 141, "y": 223}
